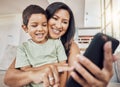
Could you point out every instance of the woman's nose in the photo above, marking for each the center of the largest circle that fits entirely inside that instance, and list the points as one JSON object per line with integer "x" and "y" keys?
{"x": 59, "y": 24}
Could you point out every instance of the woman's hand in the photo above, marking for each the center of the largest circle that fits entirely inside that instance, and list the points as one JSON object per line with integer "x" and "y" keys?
{"x": 102, "y": 76}
{"x": 49, "y": 74}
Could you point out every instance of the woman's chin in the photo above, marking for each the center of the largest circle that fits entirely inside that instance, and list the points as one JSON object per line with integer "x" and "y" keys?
{"x": 54, "y": 37}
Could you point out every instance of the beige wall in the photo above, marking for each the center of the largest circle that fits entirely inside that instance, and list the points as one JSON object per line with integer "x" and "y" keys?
{"x": 77, "y": 7}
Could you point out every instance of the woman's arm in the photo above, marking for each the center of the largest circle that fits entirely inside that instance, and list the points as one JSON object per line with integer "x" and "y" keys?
{"x": 102, "y": 76}
{"x": 74, "y": 51}
{"x": 16, "y": 78}
{"x": 63, "y": 75}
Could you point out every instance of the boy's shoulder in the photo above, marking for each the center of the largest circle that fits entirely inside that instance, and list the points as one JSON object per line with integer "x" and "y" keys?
{"x": 23, "y": 44}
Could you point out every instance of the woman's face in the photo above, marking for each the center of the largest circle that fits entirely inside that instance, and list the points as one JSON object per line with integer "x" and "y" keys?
{"x": 58, "y": 23}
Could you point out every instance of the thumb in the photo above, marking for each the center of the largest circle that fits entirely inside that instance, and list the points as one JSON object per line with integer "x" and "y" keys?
{"x": 108, "y": 58}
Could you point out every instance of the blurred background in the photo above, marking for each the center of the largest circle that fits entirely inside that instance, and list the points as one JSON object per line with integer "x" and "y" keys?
{"x": 91, "y": 16}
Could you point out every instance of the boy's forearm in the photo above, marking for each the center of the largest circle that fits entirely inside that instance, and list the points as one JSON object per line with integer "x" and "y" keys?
{"x": 63, "y": 63}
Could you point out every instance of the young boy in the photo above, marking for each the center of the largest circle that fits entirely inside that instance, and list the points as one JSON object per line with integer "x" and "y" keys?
{"x": 39, "y": 50}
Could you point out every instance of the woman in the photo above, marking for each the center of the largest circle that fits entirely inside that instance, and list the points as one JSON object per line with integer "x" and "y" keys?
{"x": 61, "y": 25}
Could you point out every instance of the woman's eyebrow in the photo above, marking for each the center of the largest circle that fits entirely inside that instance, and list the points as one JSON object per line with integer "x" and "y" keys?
{"x": 63, "y": 18}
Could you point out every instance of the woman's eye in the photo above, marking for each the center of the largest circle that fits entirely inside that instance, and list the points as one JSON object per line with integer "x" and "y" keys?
{"x": 65, "y": 22}
{"x": 54, "y": 18}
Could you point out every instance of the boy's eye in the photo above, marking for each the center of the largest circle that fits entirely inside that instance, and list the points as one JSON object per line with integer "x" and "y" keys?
{"x": 34, "y": 25}
{"x": 44, "y": 25}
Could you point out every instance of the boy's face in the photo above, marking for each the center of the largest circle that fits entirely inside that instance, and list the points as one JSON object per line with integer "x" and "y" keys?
{"x": 37, "y": 28}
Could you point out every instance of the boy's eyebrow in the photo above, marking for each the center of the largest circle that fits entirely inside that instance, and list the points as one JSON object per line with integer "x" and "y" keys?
{"x": 45, "y": 22}
{"x": 37, "y": 22}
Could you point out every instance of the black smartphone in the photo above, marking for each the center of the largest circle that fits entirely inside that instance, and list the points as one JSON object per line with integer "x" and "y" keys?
{"x": 95, "y": 53}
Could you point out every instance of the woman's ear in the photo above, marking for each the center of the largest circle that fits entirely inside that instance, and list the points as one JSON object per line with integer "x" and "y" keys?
{"x": 25, "y": 28}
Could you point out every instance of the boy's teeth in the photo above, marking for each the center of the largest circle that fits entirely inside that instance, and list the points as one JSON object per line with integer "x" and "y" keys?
{"x": 40, "y": 35}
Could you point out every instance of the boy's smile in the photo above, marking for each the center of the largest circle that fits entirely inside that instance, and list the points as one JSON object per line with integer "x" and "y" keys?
{"x": 37, "y": 28}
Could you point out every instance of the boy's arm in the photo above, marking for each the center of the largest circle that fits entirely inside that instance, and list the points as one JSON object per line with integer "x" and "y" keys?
{"x": 26, "y": 68}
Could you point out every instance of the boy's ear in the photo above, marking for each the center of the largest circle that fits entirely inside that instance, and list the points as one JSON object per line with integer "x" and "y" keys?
{"x": 25, "y": 28}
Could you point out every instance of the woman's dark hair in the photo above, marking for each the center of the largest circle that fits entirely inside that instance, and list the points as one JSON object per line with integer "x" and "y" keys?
{"x": 68, "y": 36}
{"x": 29, "y": 10}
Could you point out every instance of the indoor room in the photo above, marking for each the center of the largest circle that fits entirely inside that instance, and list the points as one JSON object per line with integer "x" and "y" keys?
{"x": 91, "y": 17}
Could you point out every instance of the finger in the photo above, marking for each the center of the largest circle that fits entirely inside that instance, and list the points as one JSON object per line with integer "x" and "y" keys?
{"x": 108, "y": 60}
{"x": 96, "y": 71}
{"x": 108, "y": 57}
{"x": 56, "y": 85}
{"x": 47, "y": 73}
{"x": 88, "y": 64}
{"x": 85, "y": 74}
{"x": 84, "y": 83}
{"x": 55, "y": 73}
{"x": 65, "y": 67}
{"x": 46, "y": 81}
{"x": 78, "y": 79}
{"x": 51, "y": 79}
{"x": 115, "y": 58}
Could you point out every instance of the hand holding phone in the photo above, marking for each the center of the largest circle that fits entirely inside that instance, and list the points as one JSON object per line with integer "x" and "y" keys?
{"x": 95, "y": 53}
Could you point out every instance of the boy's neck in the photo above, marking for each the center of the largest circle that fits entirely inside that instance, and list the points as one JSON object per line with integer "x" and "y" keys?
{"x": 41, "y": 42}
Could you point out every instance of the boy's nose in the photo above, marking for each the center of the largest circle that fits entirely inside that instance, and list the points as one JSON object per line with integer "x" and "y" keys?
{"x": 39, "y": 28}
